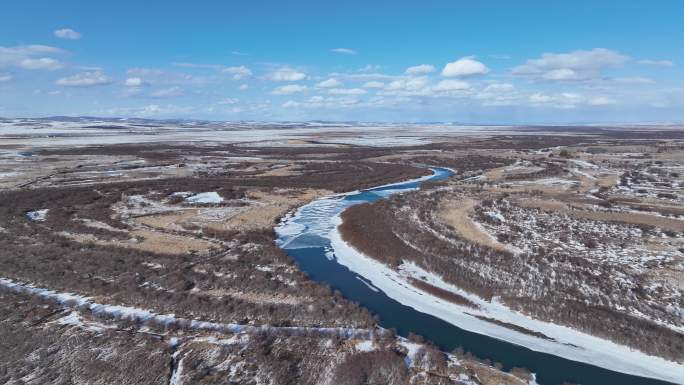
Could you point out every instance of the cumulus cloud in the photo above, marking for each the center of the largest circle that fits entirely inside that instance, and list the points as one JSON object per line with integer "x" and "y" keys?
{"x": 170, "y": 92}
{"x": 30, "y": 57}
{"x": 657, "y": 63}
{"x": 463, "y": 67}
{"x": 329, "y": 83}
{"x": 374, "y": 84}
{"x": 347, "y": 91}
{"x": 346, "y": 51}
{"x": 572, "y": 66}
{"x": 238, "y": 72}
{"x": 288, "y": 89}
{"x": 286, "y": 75}
{"x": 243, "y": 87}
{"x": 5, "y": 77}
{"x": 134, "y": 82}
{"x": 410, "y": 84}
{"x": 451, "y": 85}
{"x": 420, "y": 69}
{"x": 85, "y": 79}
{"x": 68, "y": 34}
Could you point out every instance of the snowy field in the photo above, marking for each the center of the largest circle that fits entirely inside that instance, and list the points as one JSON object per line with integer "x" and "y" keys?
{"x": 95, "y": 131}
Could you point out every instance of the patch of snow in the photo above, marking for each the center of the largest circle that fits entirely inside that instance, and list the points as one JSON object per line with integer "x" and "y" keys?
{"x": 205, "y": 197}
{"x": 149, "y": 317}
{"x": 412, "y": 348}
{"x": 72, "y": 318}
{"x": 364, "y": 346}
{"x": 495, "y": 215}
{"x": 183, "y": 194}
{"x": 584, "y": 164}
{"x": 37, "y": 215}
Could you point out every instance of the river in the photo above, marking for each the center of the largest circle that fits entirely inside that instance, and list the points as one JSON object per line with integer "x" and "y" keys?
{"x": 305, "y": 237}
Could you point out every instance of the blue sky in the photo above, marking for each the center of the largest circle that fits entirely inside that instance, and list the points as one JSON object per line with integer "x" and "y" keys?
{"x": 464, "y": 61}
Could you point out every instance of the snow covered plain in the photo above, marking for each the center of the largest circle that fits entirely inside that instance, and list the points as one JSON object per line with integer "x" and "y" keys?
{"x": 57, "y": 132}
{"x": 322, "y": 219}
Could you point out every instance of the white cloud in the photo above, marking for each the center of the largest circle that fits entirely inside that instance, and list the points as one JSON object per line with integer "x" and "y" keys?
{"x": 374, "y": 84}
{"x": 410, "y": 84}
{"x": 564, "y": 100}
{"x": 420, "y": 69}
{"x": 347, "y": 91}
{"x": 43, "y": 63}
{"x": 499, "y": 87}
{"x": 158, "y": 77}
{"x": 291, "y": 104}
{"x": 562, "y": 74}
{"x": 317, "y": 101}
{"x": 658, "y": 63}
{"x": 363, "y": 76}
{"x": 286, "y": 75}
{"x": 329, "y": 83}
{"x": 572, "y": 66}
{"x": 228, "y": 101}
{"x": 134, "y": 82}
{"x": 370, "y": 68}
{"x": 451, "y": 85}
{"x": 238, "y": 72}
{"x": 170, "y": 92}
{"x": 67, "y": 33}
{"x": 540, "y": 98}
{"x": 499, "y": 94}
{"x": 243, "y": 87}
{"x": 601, "y": 101}
{"x": 346, "y": 51}
{"x": 288, "y": 89}
{"x": 85, "y": 79}
{"x": 5, "y": 77}
{"x": 463, "y": 67}
{"x": 31, "y": 57}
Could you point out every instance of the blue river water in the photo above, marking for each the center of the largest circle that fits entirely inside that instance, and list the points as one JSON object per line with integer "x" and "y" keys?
{"x": 311, "y": 250}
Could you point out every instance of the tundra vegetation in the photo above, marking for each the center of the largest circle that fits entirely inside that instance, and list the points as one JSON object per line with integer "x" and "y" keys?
{"x": 184, "y": 231}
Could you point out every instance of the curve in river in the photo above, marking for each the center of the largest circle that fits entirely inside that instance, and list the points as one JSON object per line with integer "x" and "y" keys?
{"x": 305, "y": 235}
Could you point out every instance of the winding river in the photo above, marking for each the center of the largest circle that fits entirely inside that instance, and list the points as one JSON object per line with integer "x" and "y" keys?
{"x": 305, "y": 235}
